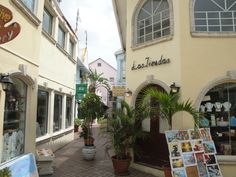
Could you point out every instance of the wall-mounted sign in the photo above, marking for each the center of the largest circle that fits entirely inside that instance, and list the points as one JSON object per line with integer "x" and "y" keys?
{"x": 149, "y": 62}
{"x": 81, "y": 90}
{"x": 118, "y": 91}
{"x": 9, "y": 32}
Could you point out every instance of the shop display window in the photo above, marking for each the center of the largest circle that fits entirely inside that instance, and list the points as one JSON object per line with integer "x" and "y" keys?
{"x": 14, "y": 120}
{"x": 42, "y": 114}
{"x": 219, "y": 109}
{"x": 57, "y": 117}
{"x": 68, "y": 111}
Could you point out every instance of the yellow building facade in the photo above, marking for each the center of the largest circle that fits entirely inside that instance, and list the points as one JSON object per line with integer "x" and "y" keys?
{"x": 190, "y": 43}
{"x": 37, "y": 110}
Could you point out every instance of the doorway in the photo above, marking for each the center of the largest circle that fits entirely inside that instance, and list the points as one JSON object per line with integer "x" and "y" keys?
{"x": 153, "y": 149}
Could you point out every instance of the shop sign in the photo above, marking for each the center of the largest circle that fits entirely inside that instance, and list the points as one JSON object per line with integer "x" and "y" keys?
{"x": 9, "y": 32}
{"x": 149, "y": 62}
{"x": 118, "y": 91}
{"x": 81, "y": 89}
{"x": 20, "y": 166}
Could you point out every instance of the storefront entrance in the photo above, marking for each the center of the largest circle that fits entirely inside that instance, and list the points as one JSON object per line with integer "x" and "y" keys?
{"x": 14, "y": 120}
{"x": 153, "y": 150}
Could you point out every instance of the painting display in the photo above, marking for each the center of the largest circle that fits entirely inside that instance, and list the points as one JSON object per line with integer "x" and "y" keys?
{"x": 192, "y": 153}
{"x": 24, "y": 165}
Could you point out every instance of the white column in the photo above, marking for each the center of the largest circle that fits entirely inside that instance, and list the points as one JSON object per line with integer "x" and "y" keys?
{"x": 2, "y": 104}
{"x": 63, "y": 112}
{"x": 51, "y": 112}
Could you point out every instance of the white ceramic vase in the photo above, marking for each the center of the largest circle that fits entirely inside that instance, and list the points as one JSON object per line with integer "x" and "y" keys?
{"x": 89, "y": 152}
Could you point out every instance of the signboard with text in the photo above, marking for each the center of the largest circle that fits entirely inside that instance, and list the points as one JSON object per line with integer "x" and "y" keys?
{"x": 118, "y": 91}
{"x": 7, "y": 32}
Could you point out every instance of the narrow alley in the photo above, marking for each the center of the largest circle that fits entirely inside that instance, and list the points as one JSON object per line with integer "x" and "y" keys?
{"x": 69, "y": 161}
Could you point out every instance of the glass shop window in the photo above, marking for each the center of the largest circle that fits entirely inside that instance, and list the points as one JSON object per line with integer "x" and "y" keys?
{"x": 14, "y": 120}
{"x": 68, "y": 111}
{"x": 57, "y": 118}
{"x": 42, "y": 114}
{"x": 219, "y": 108}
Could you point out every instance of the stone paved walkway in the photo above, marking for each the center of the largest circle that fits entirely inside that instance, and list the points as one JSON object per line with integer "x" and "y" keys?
{"x": 69, "y": 161}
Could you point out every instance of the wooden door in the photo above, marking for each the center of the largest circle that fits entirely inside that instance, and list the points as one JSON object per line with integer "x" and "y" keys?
{"x": 153, "y": 150}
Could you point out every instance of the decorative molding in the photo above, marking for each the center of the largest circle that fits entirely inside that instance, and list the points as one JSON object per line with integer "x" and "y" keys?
{"x": 23, "y": 68}
{"x": 49, "y": 37}
{"x": 231, "y": 74}
{"x": 150, "y": 80}
{"x": 210, "y": 85}
{"x": 18, "y": 55}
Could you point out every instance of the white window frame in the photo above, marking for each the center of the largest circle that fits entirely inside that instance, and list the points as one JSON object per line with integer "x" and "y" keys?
{"x": 32, "y": 15}
{"x": 50, "y": 14}
{"x": 211, "y": 33}
{"x": 136, "y": 45}
{"x": 64, "y": 44}
{"x": 71, "y": 53}
{"x": 34, "y": 5}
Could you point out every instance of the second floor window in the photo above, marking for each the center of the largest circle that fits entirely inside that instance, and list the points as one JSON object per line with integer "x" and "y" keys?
{"x": 30, "y": 4}
{"x": 99, "y": 64}
{"x": 215, "y": 16}
{"x": 153, "y": 21}
{"x": 47, "y": 22}
{"x": 61, "y": 37}
{"x": 71, "y": 48}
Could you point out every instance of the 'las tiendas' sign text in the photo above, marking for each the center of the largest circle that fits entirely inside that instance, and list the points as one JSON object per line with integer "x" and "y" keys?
{"x": 151, "y": 62}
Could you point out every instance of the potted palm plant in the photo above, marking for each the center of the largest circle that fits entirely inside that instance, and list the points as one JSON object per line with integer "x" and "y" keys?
{"x": 123, "y": 130}
{"x": 90, "y": 108}
{"x": 169, "y": 104}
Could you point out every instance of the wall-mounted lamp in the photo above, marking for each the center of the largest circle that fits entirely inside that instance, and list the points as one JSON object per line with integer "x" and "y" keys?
{"x": 174, "y": 88}
{"x": 6, "y": 81}
{"x": 128, "y": 92}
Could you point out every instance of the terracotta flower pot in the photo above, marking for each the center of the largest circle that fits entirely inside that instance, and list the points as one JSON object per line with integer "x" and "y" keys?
{"x": 89, "y": 141}
{"x": 167, "y": 170}
{"x": 121, "y": 166}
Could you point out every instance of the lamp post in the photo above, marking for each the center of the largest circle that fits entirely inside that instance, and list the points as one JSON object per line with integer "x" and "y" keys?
{"x": 174, "y": 89}
{"x": 6, "y": 81}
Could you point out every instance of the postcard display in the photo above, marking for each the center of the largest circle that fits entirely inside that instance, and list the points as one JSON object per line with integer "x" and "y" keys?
{"x": 192, "y": 153}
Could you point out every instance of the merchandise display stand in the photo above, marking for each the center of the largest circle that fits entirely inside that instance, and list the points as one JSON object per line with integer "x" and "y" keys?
{"x": 45, "y": 159}
{"x": 192, "y": 153}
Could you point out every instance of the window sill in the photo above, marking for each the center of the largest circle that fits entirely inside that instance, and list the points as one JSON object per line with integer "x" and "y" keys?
{"x": 146, "y": 44}
{"x": 27, "y": 12}
{"x": 50, "y": 38}
{"x": 72, "y": 59}
{"x": 226, "y": 159}
{"x": 213, "y": 34}
{"x": 62, "y": 50}
{"x": 43, "y": 138}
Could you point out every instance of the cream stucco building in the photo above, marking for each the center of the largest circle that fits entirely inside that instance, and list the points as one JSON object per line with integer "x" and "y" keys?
{"x": 191, "y": 43}
{"x": 37, "y": 111}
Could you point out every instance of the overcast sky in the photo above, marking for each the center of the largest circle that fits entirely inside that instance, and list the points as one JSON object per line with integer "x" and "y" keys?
{"x": 97, "y": 18}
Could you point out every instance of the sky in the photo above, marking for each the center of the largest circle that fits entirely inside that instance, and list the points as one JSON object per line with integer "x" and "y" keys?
{"x": 98, "y": 19}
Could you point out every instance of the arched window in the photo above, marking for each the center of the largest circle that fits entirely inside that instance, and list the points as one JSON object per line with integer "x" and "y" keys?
{"x": 215, "y": 16}
{"x": 152, "y": 21}
{"x": 14, "y": 120}
{"x": 219, "y": 109}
